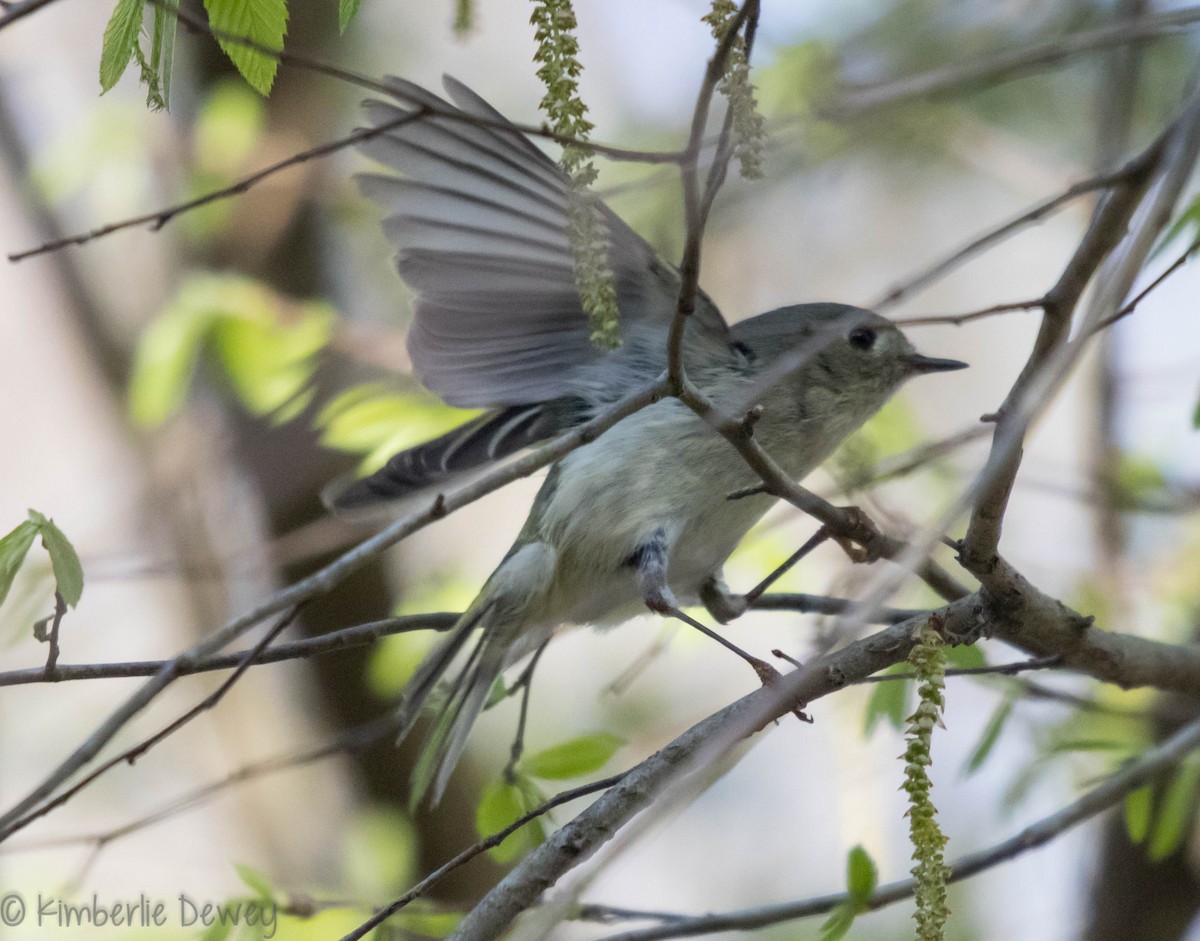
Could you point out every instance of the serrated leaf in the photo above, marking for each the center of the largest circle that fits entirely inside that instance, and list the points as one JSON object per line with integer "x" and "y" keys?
{"x": 573, "y": 758}
{"x": 838, "y": 923}
{"x": 264, "y": 22}
{"x": 1138, "y": 805}
{"x": 991, "y": 734}
{"x": 255, "y": 881}
{"x": 120, "y": 38}
{"x": 889, "y": 700}
{"x": 13, "y": 549}
{"x": 68, "y": 571}
{"x": 347, "y": 10}
{"x": 1175, "y": 812}
{"x": 501, "y": 804}
{"x": 162, "y": 52}
{"x": 862, "y": 875}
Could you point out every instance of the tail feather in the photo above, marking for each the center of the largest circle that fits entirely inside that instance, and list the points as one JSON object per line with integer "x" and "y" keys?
{"x": 502, "y": 612}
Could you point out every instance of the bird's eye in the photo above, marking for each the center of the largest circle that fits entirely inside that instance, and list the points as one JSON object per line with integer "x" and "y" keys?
{"x": 862, "y": 338}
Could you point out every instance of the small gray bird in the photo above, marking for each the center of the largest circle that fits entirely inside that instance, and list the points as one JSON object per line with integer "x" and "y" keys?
{"x": 640, "y": 517}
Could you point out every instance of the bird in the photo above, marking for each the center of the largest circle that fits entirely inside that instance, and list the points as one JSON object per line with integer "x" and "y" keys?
{"x": 639, "y": 519}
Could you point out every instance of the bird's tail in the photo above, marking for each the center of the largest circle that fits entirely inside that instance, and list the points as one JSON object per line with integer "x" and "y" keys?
{"x": 500, "y": 613}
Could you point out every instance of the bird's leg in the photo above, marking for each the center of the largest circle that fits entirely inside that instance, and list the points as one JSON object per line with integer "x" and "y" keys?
{"x": 524, "y": 683}
{"x": 649, "y": 562}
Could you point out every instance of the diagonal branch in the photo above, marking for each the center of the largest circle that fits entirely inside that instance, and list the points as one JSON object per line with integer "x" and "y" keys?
{"x": 1144, "y": 769}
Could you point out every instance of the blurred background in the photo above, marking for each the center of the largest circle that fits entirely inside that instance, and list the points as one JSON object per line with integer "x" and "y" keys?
{"x": 177, "y": 399}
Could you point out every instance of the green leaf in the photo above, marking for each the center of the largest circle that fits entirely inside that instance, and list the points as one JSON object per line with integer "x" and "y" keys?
{"x": 1196, "y": 415}
{"x": 862, "y": 876}
{"x": 120, "y": 38}
{"x": 258, "y": 883}
{"x": 573, "y": 758}
{"x": 991, "y": 734}
{"x": 889, "y": 700}
{"x": 162, "y": 52}
{"x": 68, "y": 572}
{"x": 1138, "y": 805}
{"x": 838, "y": 923}
{"x": 227, "y": 132}
{"x": 1175, "y": 812}
{"x": 263, "y": 22}
{"x": 347, "y": 10}
{"x": 13, "y": 548}
{"x": 503, "y": 803}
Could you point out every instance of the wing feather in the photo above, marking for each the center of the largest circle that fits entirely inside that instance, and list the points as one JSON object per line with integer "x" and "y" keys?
{"x": 479, "y": 218}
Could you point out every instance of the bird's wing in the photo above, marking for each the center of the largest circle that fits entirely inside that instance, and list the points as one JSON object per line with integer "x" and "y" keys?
{"x": 479, "y": 218}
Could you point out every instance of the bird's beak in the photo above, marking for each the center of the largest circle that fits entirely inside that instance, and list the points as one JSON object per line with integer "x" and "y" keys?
{"x": 922, "y": 364}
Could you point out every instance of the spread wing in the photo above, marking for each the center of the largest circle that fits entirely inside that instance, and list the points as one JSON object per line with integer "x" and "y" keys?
{"x": 479, "y": 219}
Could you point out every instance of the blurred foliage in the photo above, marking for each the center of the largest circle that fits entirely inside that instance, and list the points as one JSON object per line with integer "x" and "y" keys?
{"x": 379, "y": 853}
{"x": 377, "y": 422}
{"x": 265, "y": 344}
{"x": 227, "y": 133}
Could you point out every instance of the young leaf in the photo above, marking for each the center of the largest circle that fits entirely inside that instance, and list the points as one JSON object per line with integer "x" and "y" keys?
{"x": 889, "y": 700}
{"x": 1138, "y": 805}
{"x": 573, "y": 758}
{"x": 862, "y": 875}
{"x": 13, "y": 548}
{"x": 347, "y": 10}
{"x": 1175, "y": 812}
{"x": 120, "y": 38}
{"x": 991, "y": 734}
{"x": 263, "y": 23}
{"x": 68, "y": 572}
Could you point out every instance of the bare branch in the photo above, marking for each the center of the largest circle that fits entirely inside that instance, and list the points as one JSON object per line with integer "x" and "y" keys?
{"x": 1009, "y": 64}
{"x": 332, "y": 642}
{"x": 159, "y": 218}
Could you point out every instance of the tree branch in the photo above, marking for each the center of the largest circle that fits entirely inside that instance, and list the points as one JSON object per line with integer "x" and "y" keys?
{"x": 1144, "y": 769}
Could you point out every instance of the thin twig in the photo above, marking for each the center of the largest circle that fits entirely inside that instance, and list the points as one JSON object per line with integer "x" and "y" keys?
{"x": 999, "y": 669}
{"x": 131, "y": 755}
{"x": 346, "y": 639}
{"x": 1008, "y": 64}
{"x": 958, "y": 320}
{"x": 159, "y": 218}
